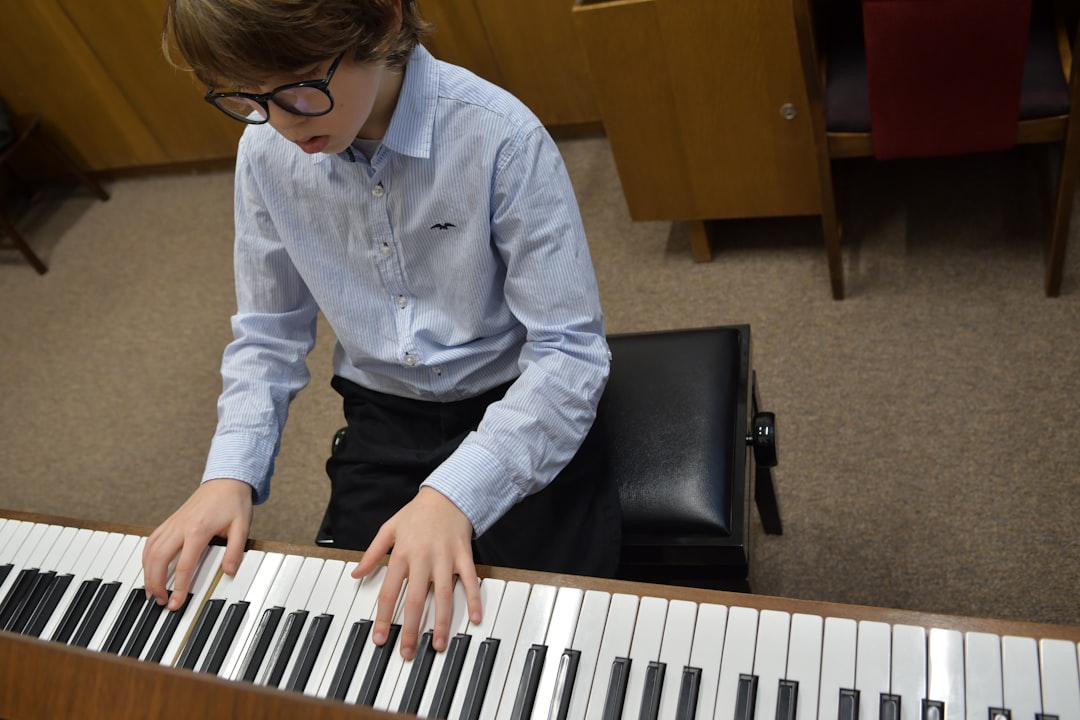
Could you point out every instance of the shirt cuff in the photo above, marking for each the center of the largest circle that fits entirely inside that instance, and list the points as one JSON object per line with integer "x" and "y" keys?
{"x": 474, "y": 480}
{"x": 241, "y": 457}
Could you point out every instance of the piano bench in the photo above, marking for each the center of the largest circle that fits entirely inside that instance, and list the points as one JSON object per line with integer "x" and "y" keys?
{"x": 685, "y": 437}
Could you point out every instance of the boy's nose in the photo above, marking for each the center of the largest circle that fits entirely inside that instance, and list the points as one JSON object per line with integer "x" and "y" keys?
{"x": 280, "y": 119}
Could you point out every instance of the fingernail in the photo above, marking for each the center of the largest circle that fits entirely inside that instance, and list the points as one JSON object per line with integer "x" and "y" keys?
{"x": 379, "y": 637}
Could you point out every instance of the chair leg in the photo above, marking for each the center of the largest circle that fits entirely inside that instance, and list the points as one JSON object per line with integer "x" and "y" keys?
{"x": 831, "y": 229}
{"x": 1059, "y": 221}
{"x": 699, "y": 241}
{"x": 22, "y": 246}
{"x": 764, "y": 488}
{"x": 83, "y": 176}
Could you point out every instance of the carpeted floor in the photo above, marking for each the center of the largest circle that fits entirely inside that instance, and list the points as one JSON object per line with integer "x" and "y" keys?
{"x": 928, "y": 425}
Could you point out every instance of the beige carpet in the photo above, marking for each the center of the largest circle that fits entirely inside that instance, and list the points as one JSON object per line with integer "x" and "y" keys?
{"x": 928, "y": 425}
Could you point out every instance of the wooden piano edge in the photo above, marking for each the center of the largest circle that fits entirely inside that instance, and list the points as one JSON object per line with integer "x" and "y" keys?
{"x": 39, "y": 679}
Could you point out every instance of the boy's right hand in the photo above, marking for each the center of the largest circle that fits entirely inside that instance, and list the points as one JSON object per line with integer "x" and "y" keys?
{"x": 217, "y": 508}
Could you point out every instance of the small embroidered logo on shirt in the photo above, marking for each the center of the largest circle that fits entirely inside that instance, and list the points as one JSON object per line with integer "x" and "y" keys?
{"x": 443, "y": 226}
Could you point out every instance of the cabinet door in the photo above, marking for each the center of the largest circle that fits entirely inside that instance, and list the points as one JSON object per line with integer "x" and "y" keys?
{"x": 691, "y": 93}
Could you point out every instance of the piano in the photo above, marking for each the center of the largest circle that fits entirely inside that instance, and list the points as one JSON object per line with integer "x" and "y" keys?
{"x": 287, "y": 637}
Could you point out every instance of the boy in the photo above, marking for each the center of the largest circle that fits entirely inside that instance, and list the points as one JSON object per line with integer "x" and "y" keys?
{"x": 428, "y": 216}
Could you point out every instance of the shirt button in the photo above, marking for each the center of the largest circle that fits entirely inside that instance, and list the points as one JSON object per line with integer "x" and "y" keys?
{"x": 437, "y": 370}
{"x": 378, "y": 190}
{"x": 386, "y": 250}
{"x": 402, "y": 301}
{"x": 410, "y": 360}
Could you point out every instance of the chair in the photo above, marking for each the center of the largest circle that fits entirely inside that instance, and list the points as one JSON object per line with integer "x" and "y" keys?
{"x": 688, "y": 448}
{"x": 26, "y": 127}
{"x": 915, "y": 79}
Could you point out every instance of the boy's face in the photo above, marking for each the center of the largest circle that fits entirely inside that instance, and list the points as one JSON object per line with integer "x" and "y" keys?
{"x": 364, "y": 98}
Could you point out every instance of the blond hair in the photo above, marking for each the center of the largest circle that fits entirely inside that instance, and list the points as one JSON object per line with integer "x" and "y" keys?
{"x": 242, "y": 42}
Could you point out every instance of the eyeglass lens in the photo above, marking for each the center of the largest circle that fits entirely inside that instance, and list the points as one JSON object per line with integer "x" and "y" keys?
{"x": 297, "y": 100}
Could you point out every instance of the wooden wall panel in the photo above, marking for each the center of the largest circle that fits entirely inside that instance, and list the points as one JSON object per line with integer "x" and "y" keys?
{"x": 459, "y": 37}
{"x": 633, "y": 92}
{"x": 541, "y": 59}
{"x": 47, "y": 68}
{"x": 125, "y": 36}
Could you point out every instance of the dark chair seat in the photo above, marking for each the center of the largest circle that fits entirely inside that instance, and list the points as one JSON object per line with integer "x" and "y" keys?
{"x": 684, "y": 439}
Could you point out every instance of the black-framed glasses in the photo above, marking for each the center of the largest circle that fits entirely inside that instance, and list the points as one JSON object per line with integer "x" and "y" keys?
{"x": 309, "y": 98}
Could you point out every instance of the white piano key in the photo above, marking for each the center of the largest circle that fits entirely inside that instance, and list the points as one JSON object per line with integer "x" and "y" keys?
{"x": 395, "y": 691}
{"x": 644, "y": 648}
{"x": 770, "y": 659}
{"x": 87, "y": 545}
{"x": 707, "y": 654}
{"x": 909, "y": 669}
{"x": 616, "y": 643}
{"x": 371, "y": 649}
{"x": 739, "y": 647}
{"x": 317, "y": 601}
{"x": 101, "y": 565}
{"x": 338, "y": 607}
{"x": 982, "y": 674}
{"x": 534, "y": 625}
{"x": 1021, "y": 689}
{"x": 675, "y": 652}
{"x": 7, "y": 529}
{"x": 25, "y": 543}
{"x": 873, "y": 659}
{"x": 299, "y": 592}
{"x": 945, "y": 671}
{"x": 588, "y": 636}
{"x": 362, "y": 608}
{"x": 277, "y": 595}
{"x": 72, "y": 540}
{"x": 59, "y": 547}
{"x": 837, "y": 664}
{"x": 804, "y": 662}
{"x": 230, "y": 589}
{"x": 559, "y": 637}
{"x": 1060, "y": 679}
{"x": 459, "y": 623}
{"x": 268, "y": 565}
{"x": 491, "y": 595}
{"x": 201, "y": 583}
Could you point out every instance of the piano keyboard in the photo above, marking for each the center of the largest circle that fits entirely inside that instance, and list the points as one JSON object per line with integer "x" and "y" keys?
{"x": 301, "y": 624}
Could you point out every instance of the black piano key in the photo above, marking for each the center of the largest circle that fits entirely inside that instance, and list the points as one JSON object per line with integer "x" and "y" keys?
{"x": 204, "y": 625}
{"x": 283, "y": 651}
{"x": 787, "y": 697}
{"x": 264, "y": 635}
{"x": 450, "y": 676}
{"x": 5, "y": 570}
{"x": 309, "y": 652}
{"x": 889, "y": 707}
{"x": 848, "y": 708}
{"x": 931, "y": 709}
{"x": 49, "y": 604}
{"x": 223, "y": 641}
{"x": 746, "y": 697}
{"x": 564, "y": 682}
{"x": 350, "y": 658}
{"x": 74, "y": 612}
{"x": 478, "y": 682}
{"x": 418, "y": 675}
{"x": 16, "y": 596}
{"x": 143, "y": 629}
{"x": 650, "y": 696}
{"x": 129, "y": 614}
{"x": 995, "y": 713}
{"x": 530, "y": 679}
{"x": 168, "y": 629}
{"x": 38, "y": 589}
{"x": 616, "y": 690}
{"x": 688, "y": 693}
{"x": 89, "y": 620}
{"x": 377, "y": 669}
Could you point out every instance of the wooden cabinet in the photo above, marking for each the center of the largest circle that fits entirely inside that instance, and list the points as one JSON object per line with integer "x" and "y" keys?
{"x": 705, "y": 108}
{"x": 95, "y": 74}
{"x": 528, "y": 47}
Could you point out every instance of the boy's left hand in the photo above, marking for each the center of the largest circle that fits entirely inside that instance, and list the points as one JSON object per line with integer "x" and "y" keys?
{"x": 432, "y": 542}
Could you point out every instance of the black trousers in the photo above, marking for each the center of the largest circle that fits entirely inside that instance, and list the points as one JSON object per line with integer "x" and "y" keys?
{"x": 392, "y": 444}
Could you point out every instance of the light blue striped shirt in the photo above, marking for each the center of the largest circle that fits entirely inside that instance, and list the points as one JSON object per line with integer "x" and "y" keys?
{"x": 452, "y": 262}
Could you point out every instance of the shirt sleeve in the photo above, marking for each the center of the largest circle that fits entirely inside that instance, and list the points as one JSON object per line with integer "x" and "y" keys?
{"x": 528, "y": 437}
{"x": 265, "y": 365}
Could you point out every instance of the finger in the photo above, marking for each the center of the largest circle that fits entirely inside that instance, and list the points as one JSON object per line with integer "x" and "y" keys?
{"x": 471, "y": 583}
{"x": 375, "y": 552}
{"x": 392, "y": 585}
{"x": 157, "y": 554}
{"x": 185, "y": 570}
{"x": 234, "y": 548}
{"x": 444, "y": 607}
